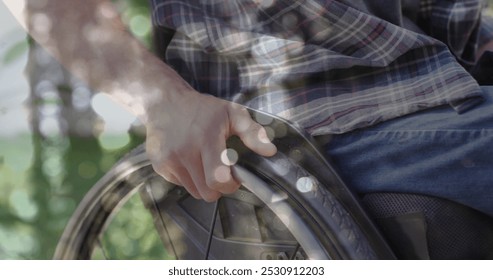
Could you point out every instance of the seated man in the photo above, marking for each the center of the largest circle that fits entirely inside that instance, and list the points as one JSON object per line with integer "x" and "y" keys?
{"x": 363, "y": 71}
{"x": 388, "y": 80}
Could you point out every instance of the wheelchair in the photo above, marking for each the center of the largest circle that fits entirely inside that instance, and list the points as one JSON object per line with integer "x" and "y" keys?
{"x": 290, "y": 206}
{"x": 293, "y": 205}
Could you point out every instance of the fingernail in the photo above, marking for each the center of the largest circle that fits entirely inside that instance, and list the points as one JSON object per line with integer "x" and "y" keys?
{"x": 266, "y": 135}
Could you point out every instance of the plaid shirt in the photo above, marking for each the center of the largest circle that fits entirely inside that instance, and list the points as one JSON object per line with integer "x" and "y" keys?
{"x": 329, "y": 66}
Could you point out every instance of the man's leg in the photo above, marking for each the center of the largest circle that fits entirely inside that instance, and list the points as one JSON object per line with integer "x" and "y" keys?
{"x": 436, "y": 152}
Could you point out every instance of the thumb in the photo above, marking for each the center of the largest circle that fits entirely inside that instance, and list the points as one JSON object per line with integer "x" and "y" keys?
{"x": 251, "y": 133}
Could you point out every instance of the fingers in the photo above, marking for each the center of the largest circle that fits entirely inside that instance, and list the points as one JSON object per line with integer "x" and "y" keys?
{"x": 217, "y": 170}
{"x": 193, "y": 182}
{"x": 177, "y": 176}
{"x": 188, "y": 171}
{"x": 251, "y": 133}
{"x": 196, "y": 171}
{"x": 190, "y": 177}
{"x": 168, "y": 166}
{"x": 191, "y": 152}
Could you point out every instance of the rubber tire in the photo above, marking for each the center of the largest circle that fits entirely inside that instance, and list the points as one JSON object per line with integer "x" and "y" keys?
{"x": 314, "y": 215}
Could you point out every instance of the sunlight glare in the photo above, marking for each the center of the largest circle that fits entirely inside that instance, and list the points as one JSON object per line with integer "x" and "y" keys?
{"x": 305, "y": 184}
{"x": 229, "y": 157}
{"x": 222, "y": 174}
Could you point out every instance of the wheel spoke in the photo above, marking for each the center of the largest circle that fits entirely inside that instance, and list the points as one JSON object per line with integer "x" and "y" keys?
{"x": 179, "y": 219}
{"x": 296, "y": 250}
{"x": 161, "y": 219}
{"x": 211, "y": 230}
{"x": 103, "y": 252}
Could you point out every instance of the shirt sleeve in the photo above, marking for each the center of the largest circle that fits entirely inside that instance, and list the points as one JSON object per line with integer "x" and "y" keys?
{"x": 458, "y": 24}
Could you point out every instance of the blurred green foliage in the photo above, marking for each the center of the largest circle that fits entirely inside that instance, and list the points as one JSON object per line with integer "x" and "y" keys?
{"x": 136, "y": 15}
{"x": 43, "y": 179}
{"x": 489, "y": 9}
{"x": 14, "y": 52}
{"x": 131, "y": 235}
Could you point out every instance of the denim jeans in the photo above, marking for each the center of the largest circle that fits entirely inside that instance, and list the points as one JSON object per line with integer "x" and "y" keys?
{"x": 435, "y": 152}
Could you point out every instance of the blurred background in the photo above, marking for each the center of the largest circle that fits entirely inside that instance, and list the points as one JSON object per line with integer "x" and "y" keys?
{"x": 57, "y": 138}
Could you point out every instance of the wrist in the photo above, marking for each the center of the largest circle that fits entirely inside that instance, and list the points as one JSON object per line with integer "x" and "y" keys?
{"x": 162, "y": 99}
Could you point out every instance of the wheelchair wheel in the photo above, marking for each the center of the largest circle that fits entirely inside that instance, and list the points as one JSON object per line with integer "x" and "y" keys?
{"x": 267, "y": 218}
{"x": 291, "y": 206}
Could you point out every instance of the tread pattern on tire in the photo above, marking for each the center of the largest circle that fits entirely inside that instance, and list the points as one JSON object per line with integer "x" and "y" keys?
{"x": 332, "y": 213}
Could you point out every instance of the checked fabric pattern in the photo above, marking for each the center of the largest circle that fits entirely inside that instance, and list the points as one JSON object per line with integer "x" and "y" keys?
{"x": 329, "y": 66}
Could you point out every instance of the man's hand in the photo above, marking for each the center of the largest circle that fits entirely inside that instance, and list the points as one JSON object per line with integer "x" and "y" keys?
{"x": 186, "y": 142}
{"x": 186, "y": 131}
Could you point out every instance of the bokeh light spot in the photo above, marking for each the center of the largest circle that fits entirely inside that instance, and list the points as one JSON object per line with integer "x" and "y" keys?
{"x": 290, "y": 21}
{"x": 59, "y": 205}
{"x": 113, "y": 142}
{"x": 296, "y": 155}
{"x": 266, "y": 135}
{"x": 305, "y": 184}
{"x": 222, "y": 174}
{"x": 87, "y": 169}
{"x": 263, "y": 119}
{"x": 52, "y": 166}
{"x": 140, "y": 25}
{"x": 43, "y": 25}
{"x": 17, "y": 242}
{"x": 282, "y": 167}
{"x": 116, "y": 118}
{"x": 229, "y": 157}
{"x": 81, "y": 98}
{"x": 158, "y": 188}
{"x": 23, "y": 205}
{"x": 265, "y": 3}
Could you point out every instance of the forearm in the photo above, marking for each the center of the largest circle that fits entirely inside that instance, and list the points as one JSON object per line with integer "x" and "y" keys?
{"x": 186, "y": 131}
{"x": 89, "y": 39}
